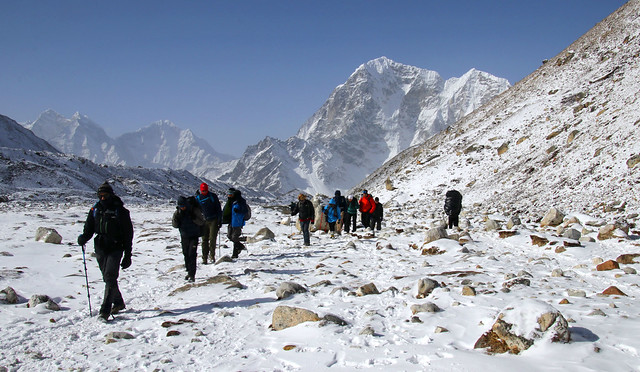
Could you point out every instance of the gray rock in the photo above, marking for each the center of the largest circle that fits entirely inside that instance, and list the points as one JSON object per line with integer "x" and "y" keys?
{"x": 425, "y": 287}
{"x": 118, "y": 335}
{"x": 428, "y": 307}
{"x": 36, "y": 300}
{"x": 288, "y": 289}
{"x": 10, "y": 296}
{"x": 434, "y": 234}
{"x": 286, "y": 316}
{"x": 48, "y": 235}
{"x": 367, "y": 289}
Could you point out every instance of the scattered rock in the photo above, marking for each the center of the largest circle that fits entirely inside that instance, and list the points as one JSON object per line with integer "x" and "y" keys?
{"x": 539, "y": 240}
{"x": 36, "y": 300}
{"x": 367, "y": 289}
{"x": 119, "y": 335}
{"x": 48, "y": 235}
{"x": 425, "y": 287}
{"x": 262, "y": 234}
{"x": 10, "y": 296}
{"x": 613, "y": 291}
{"x": 434, "y": 234}
{"x": 468, "y": 291}
{"x": 286, "y": 316}
{"x": 288, "y": 289}
{"x": 627, "y": 259}
{"x": 576, "y": 293}
{"x": 608, "y": 265}
{"x": 428, "y": 307}
{"x": 506, "y": 233}
{"x": 513, "y": 333}
{"x": 553, "y": 218}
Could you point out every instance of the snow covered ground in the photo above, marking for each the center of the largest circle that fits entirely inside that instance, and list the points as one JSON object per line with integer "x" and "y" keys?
{"x": 225, "y": 328}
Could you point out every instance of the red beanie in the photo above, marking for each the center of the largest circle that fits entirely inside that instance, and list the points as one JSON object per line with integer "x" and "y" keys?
{"x": 204, "y": 188}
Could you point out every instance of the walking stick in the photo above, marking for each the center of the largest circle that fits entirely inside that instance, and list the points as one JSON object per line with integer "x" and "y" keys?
{"x": 86, "y": 278}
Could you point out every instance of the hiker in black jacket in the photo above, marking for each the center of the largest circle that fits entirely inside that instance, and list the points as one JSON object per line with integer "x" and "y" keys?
{"x": 453, "y": 207}
{"x": 306, "y": 215}
{"x": 110, "y": 221}
{"x": 377, "y": 215}
{"x": 189, "y": 220}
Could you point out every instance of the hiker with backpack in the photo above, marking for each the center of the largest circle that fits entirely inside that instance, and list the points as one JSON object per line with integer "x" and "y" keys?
{"x": 210, "y": 206}
{"x": 111, "y": 223}
{"x": 453, "y": 207}
{"x": 306, "y": 215}
{"x": 377, "y": 215}
{"x": 332, "y": 212}
{"x": 367, "y": 207}
{"x": 189, "y": 220}
{"x": 341, "y": 202}
{"x": 240, "y": 212}
{"x": 351, "y": 214}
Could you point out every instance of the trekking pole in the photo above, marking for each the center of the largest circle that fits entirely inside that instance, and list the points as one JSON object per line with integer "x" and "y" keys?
{"x": 86, "y": 278}
{"x": 219, "y": 248}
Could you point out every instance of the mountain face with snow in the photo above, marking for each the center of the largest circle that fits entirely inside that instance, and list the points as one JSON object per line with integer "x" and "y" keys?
{"x": 159, "y": 145}
{"x": 566, "y": 136}
{"x": 13, "y": 135}
{"x": 383, "y": 108}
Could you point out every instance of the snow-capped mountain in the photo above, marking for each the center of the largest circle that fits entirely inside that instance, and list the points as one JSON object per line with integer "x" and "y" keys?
{"x": 383, "y": 108}
{"x": 159, "y": 145}
{"x": 566, "y": 136}
{"x": 13, "y": 135}
{"x": 77, "y": 135}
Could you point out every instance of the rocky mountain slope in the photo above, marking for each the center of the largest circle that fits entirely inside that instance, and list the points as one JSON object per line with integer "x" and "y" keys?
{"x": 33, "y": 170}
{"x": 159, "y": 145}
{"x": 566, "y": 136}
{"x": 382, "y": 108}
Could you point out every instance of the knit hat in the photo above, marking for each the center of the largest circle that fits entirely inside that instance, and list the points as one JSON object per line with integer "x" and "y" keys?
{"x": 105, "y": 188}
{"x": 337, "y": 193}
{"x": 204, "y": 188}
{"x": 182, "y": 201}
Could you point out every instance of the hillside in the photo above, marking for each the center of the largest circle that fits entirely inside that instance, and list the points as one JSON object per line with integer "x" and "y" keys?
{"x": 565, "y": 136}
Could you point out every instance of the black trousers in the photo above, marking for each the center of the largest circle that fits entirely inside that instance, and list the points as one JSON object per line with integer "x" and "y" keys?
{"x": 190, "y": 253}
{"x": 365, "y": 217}
{"x": 453, "y": 220}
{"x": 234, "y": 233}
{"x": 109, "y": 263}
{"x": 350, "y": 219}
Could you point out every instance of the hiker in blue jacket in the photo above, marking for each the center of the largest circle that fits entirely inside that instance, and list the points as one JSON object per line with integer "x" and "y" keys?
{"x": 238, "y": 211}
{"x": 332, "y": 211}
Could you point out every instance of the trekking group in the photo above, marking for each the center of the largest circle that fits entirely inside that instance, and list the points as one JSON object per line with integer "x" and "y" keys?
{"x": 201, "y": 216}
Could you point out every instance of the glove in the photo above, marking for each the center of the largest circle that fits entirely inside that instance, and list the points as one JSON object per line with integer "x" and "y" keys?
{"x": 126, "y": 261}
{"x": 81, "y": 240}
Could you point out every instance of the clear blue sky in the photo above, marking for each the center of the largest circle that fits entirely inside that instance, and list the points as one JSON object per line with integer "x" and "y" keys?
{"x": 237, "y": 71}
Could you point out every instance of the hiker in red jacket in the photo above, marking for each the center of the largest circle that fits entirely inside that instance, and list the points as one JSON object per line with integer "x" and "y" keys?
{"x": 367, "y": 206}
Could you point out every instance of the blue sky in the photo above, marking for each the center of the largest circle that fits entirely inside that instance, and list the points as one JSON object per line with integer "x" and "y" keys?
{"x": 235, "y": 72}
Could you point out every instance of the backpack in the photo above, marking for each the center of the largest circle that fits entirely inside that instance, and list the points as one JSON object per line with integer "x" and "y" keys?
{"x": 196, "y": 209}
{"x": 247, "y": 214}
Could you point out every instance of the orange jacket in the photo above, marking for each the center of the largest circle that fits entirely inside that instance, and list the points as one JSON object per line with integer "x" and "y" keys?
{"x": 367, "y": 204}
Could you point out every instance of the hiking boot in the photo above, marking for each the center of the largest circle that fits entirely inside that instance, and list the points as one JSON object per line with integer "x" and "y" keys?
{"x": 103, "y": 317}
{"x": 117, "y": 308}
{"x": 191, "y": 278}
{"x": 204, "y": 261}
{"x": 187, "y": 277}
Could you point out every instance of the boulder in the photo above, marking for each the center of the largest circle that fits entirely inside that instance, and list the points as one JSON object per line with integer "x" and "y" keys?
{"x": 367, "y": 289}
{"x": 288, "y": 289}
{"x": 285, "y": 316}
{"x": 48, "y": 235}
{"x": 434, "y": 234}
{"x": 36, "y": 300}
{"x": 514, "y": 332}
{"x": 553, "y": 218}
{"x": 425, "y": 287}
{"x": 10, "y": 296}
{"x": 262, "y": 234}
{"x": 608, "y": 265}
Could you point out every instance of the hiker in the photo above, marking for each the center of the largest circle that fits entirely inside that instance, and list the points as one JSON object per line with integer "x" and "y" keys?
{"x": 376, "y": 216}
{"x": 332, "y": 212}
{"x": 367, "y": 206}
{"x": 226, "y": 211}
{"x": 306, "y": 214}
{"x": 341, "y": 203}
{"x": 210, "y": 206}
{"x": 189, "y": 220}
{"x": 351, "y": 214}
{"x": 238, "y": 211}
{"x": 110, "y": 221}
{"x": 453, "y": 206}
